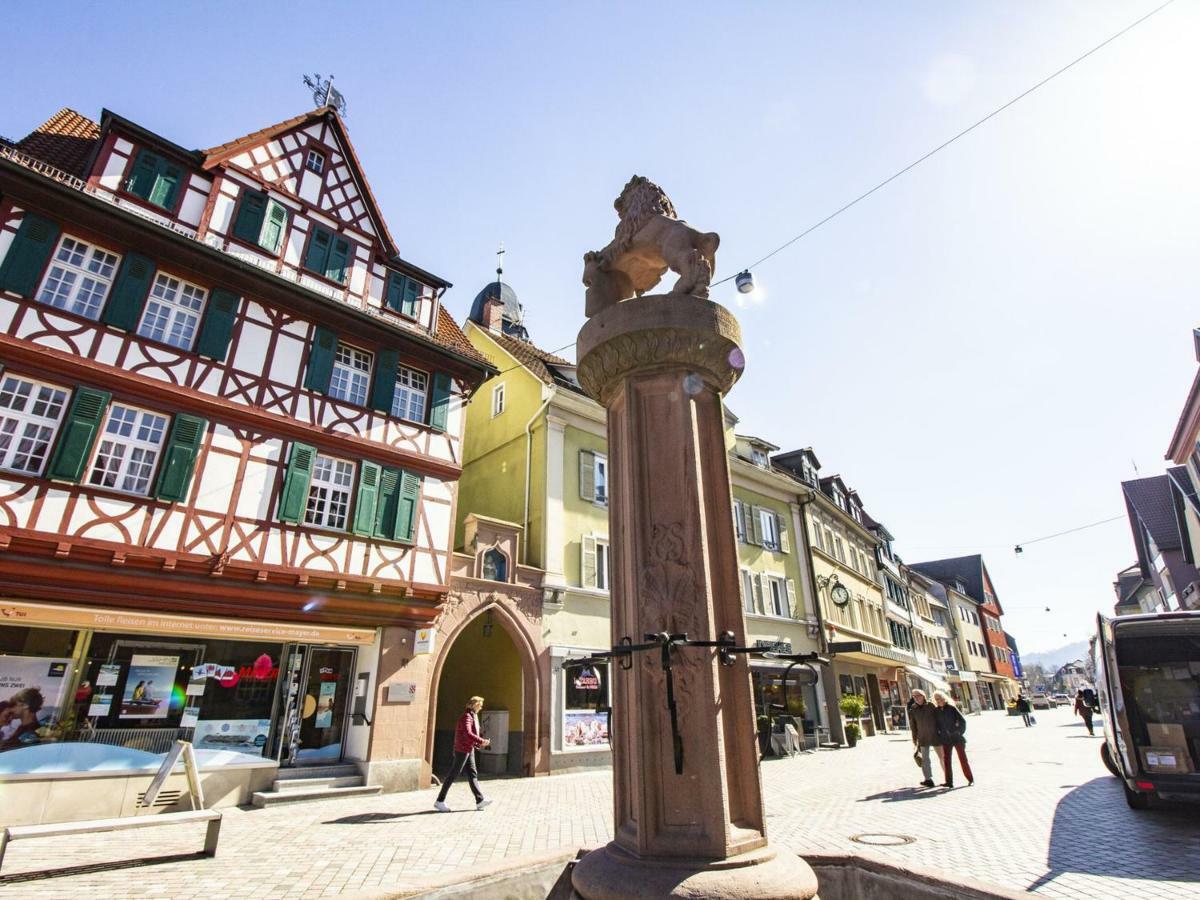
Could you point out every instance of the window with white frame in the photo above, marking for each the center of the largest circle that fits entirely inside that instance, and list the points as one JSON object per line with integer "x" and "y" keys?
{"x": 30, "y": 413}
{"x": 79, "y": 278}
{"x": 770, "y": 529}
{"x": 758, "y": 457}
{"x": 498, "y": 399}
{"x": 329, "y": 492}
{"x": 172, "y": 312}
{"x": 601, "y": 478}
{"x": 315, "y": 161}
{"x": 841, "y": 552}
{"x": 129, "y": 447}
{"x": 412, "y": 389}
{"x": 603, "y": 572}
{"x": 351, "y": 377}
{"x": 777, "y": 601}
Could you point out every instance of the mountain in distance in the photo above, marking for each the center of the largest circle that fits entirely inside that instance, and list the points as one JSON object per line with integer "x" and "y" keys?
{"x": 1052, "y": 660}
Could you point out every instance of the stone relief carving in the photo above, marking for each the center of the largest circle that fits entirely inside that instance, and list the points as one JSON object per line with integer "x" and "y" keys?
{"x": 650, "y": 239}
{"x": 718, "y": 356}
{"x": 668, "y": 583}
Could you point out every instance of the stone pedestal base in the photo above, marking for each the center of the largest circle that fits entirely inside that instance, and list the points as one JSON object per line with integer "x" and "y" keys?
{"x": 611, "y": 873}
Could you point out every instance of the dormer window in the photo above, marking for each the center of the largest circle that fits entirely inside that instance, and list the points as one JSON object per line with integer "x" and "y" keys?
{"x": 154, "y": 180}
{"x": 758, "y": 457}
{"x": 857, "y": 513}
{"x": 839, "y": 498}
{"x": 315, "y": 161}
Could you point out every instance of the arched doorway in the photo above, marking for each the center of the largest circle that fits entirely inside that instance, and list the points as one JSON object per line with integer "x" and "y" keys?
{"x": 483, "y": 659}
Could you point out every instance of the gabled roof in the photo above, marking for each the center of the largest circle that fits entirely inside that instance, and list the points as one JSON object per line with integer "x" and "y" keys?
{"x": 66, "y": 141}
{"x": 215, "y": 156}
{"x": 449, "y": 335}
{"x": 751, "y": 439}
{"x": 1148, "y": 500}
{"x": 787, "y": 459}
{"x": 966, "y": 569}
{"x": 545, "y": 366}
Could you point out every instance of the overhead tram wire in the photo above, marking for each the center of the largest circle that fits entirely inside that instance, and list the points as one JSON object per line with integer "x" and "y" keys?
{"x": 931, "y": 153}
{"x": 1020, "y": 547}
{"x": 947, "y": 143}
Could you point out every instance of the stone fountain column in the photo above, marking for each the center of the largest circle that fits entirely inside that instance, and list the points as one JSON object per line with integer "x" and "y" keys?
{"x": 660, "y": 366}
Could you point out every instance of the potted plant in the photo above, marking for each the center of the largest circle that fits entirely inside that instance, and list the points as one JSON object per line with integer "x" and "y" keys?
{"x": 852, "y": 706}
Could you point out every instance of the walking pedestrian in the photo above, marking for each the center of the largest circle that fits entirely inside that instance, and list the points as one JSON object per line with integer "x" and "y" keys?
{"x": 466, "y": 740}
{"x": 952, "y": 735}
{"x": 922, "y": 723}
{"x": 1024, "y": 708}
{"x": 1083, "y": 708}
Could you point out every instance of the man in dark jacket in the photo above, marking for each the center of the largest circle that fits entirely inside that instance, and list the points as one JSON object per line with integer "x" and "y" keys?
{"x": 922, "y": 722}
{"x": 1024, "y": 708}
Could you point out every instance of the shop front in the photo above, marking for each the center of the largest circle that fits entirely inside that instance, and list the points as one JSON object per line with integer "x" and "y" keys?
{"x": 964, "y": 685}
{"x": 784, "y": 696}
{"x": 102, "y": 694}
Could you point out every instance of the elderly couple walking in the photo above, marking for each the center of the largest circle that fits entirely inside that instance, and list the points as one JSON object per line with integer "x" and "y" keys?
{"x": 941, "y": 725}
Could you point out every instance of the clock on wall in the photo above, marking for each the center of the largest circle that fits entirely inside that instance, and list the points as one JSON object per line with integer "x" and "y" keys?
{"x": 839, "y": 595}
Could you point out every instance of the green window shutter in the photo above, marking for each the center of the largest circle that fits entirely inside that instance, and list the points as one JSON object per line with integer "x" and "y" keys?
{"x": 785, "y": 544}
{"x": 320, "y": 360}
{"x": 406, "y": 507}
{"x": 383, "y": 388}
{"x": 179, "y": 458}
{"x": 439, "y": 404}
{"x": 318, "y": 250}
{"x": 217, "y": 328}
{"x": 791, "y": 598}
{"x": 412, "y": 298}
{"x": 756, "y": 535}
{"x": 339, "y": 256}
{"x": 271, "y": 239}
{"x": 393, "y": 293}
{"x": 367, "y": 502}
{"x": 28, "y": 254}
{"x": 587, "y": 475}
{"x": 166, "y": 185}
{"x": 294, "y": 498}
{"x": 388, "y": 503}
{"x": 78, "y": 434}
{"x": 144, "y": 174}
{"x": 129, "y": 291}
{"x": 251, "y": 211}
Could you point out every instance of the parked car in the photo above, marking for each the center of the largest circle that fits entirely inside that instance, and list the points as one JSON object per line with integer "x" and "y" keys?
{"x": 1061, "y": 699}
{"x": 1040, "y": 701}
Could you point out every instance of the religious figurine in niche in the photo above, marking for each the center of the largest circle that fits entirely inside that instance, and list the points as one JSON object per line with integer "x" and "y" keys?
{"x": 649, "y": 240}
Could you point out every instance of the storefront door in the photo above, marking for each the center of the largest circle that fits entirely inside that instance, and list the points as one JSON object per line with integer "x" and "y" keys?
{"x": 316, "y": 687}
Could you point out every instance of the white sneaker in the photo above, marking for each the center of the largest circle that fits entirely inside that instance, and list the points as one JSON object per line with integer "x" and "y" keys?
{"x": 440, "y": 806}
{"x": 482, "y": 803}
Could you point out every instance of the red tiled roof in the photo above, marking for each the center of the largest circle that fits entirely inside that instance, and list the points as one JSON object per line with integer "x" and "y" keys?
{"x": 531, "y": 357}
{"x": 65, "y": 141}
{"x": 450, "y": 336}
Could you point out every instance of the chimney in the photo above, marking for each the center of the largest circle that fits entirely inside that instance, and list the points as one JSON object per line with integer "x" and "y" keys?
{"x": 493, "y": 313}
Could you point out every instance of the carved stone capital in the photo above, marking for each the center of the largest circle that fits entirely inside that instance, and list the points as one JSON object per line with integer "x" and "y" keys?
{"x": 656, "y": 332}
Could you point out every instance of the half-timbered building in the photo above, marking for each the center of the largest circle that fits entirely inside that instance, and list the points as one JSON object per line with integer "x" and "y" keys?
{"x": 230, "y": 437}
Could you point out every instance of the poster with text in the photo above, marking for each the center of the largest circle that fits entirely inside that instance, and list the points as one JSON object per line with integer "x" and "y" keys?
{"x": 148, "y": 686}
{"x": 32, "y": 693}
{"x": 241, "y": 735}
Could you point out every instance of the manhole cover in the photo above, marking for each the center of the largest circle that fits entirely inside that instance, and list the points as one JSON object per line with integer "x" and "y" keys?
{"x": 883, "y": 840}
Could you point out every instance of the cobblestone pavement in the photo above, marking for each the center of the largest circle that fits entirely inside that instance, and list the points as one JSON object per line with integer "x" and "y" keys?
{"x": 1043, "y": 816}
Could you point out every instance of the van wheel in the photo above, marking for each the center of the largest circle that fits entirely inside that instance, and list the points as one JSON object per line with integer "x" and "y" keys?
{"x": 1109, "y": 763}
{"x": 1136, "y": 800}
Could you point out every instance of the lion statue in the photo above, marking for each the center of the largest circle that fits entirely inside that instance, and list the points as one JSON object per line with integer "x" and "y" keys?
{"x": 649, "y": 240}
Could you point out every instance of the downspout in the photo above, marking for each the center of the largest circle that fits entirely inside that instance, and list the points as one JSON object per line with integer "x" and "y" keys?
{"x": 836, "y": 731}
{"x": 529, "y": 474}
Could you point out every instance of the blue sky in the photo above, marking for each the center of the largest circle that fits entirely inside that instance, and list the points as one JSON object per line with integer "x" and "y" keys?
{"x": 985, "y": 348}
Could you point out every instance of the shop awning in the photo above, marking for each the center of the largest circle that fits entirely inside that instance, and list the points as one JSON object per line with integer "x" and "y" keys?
{"x": 937, "y": 679}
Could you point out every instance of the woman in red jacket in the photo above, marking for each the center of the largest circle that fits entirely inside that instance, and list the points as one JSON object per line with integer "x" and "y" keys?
{"x": 466, "y": 740}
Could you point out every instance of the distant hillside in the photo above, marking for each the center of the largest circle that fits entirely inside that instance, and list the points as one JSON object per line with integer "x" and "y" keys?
{"x": 1051, "y": 660}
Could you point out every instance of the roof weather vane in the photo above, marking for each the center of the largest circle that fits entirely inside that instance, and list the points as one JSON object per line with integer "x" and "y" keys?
{"x": 324, "y": 93}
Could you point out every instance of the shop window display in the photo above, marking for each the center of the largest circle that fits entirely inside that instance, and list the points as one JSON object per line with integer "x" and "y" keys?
{"x": 131, "y": 698}
{"x": 585, "y": 712}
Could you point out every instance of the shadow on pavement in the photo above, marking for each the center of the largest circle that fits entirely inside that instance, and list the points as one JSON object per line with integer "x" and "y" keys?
{"x": 901, "y": 794}
{"x": 1095, "y": 833}
{"x": 90, "y": 868}
{"x": 372, "y": 817}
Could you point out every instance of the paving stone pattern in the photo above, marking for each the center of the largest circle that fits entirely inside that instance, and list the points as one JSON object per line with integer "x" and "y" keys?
{"x": 1044, "y": 816}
